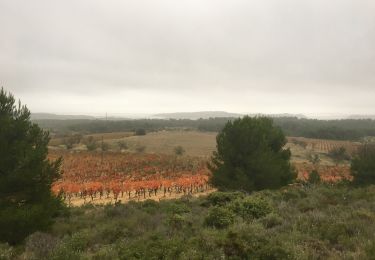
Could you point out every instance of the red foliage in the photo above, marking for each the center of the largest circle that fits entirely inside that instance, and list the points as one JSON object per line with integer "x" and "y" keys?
{"x": 86, "y": 174}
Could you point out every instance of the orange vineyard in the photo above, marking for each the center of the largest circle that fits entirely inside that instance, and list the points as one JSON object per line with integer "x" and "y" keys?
{"x": 125, "y": 176}
{"x": 90, "y": 176}
{"x": 327, "y": 173}
{"x": 326, "y": 146}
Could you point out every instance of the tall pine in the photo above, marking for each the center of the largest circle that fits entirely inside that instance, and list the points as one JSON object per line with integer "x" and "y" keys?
{"x": 26, "y": 175}
{"x": 251, "y": 156}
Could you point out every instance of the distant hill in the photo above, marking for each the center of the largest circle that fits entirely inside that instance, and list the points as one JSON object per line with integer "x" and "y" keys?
{"x": 47, "y": 116}
{"x": 196, "y": 115}
{"x": 216, "y": 114}
{"x": 362, "y": 117}
{"x": 280, "y": 115}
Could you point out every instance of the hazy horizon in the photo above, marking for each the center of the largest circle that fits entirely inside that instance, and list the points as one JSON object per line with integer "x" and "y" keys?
{"x": 323, "y": 116}
{"x": 148, "y": 57}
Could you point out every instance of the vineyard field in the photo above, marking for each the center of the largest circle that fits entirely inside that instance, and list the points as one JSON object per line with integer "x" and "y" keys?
{"x": 110, "y": 177}
{"x": 327, "y": 173}
{"x": 325, "y": 146}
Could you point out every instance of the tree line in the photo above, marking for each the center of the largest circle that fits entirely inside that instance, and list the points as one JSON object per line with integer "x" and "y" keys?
{"x": 345, "y": 129}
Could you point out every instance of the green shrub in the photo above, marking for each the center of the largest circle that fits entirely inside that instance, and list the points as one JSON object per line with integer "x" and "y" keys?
{"x": 293, "y": 193}
{"x": 177, "y": 222}
{"x": 314, "y": 177}
{"x": 251, "y": 207}
{"x": 104, "y": 146}
{"x": 219, "y": 217}
{"x": 271, "y": 220}
{"x": 339, "y": 154}
{"x": 106, "y": 252}
{"x": 179, "y": 150}
{"x": 156, "y": 246}
{"x": 7, "y": 252}
{"x": 363, "y": 165}
{"x": 253, "y": 242}
{"x": 63, "y": 252}
{"x": 335, "y": 230}
{"x": 369, "y": 250}
{"x": 40, "y": 245}
{"x": 91, "y": 146}
{"x": 274, "y": 251}
{"x": 177, "y": 208}
{"x": 222, "y": 198}
{"x": 122, "y": 145}
{"x": 150, "y": 206}
{"x": 78, "y": 242}
{"x": 140, "y": 131}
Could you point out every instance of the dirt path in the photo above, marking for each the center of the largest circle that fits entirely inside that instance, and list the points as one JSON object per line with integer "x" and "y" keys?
{"x": 76, "y": 201}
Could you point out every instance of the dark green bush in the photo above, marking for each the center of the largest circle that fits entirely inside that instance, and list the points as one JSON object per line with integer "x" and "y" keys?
{"x": 154, "y": 247}
{"x": 363, "y": 165}
{"x": 219, "y": 217}
{"x": 251, "y": 156}
{"x": 179, "y": 150}
{"x": 222, "y": 198}
{"x": 150, "y": 206}
{"x": 314, "y": 177}
{"x": 333, "y": 231}
{"x": 271, "y": 220}
{"x": 177, "y": 222}
{"x": 293, "y": 193}
{"x": 274, "y": 251}
{"x": 140, "y": 131}
{"x": 251, "y": 207}
{"x": 177, "y": 207}
{"x": 253, "y": 242}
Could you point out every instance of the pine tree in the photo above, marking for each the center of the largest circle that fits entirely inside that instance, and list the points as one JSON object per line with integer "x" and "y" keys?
{"x": 251, "y": 156}
{"x": 26, "y": 175}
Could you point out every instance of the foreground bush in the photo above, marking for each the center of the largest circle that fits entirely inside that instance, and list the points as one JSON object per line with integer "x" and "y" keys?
{"x": 309, "y": 222}
{"x": 219, "y": 217}
{"x": 251, "y": 207}
{"x": 222, "y": 198}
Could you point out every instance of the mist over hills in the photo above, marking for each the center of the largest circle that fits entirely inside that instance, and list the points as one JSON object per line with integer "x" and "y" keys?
{"x": 196, "y": 115}
{"x": 49, "y": 116}
{"x": 190, "y": 115}
{"x": 217, "y": 114}
{"x": 372, "y": 117}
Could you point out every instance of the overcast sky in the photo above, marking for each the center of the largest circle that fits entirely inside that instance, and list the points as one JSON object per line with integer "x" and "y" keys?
{"x": 254, "y": 56}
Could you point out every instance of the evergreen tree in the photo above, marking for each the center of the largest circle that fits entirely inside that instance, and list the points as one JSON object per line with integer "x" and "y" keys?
{"x": 26, "y": 175}
{"x": 250, "y": 156}
{"x": 363, "y": 165}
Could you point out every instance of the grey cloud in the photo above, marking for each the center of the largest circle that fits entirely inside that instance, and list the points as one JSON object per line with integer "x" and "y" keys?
{"x": 267, "y": 49}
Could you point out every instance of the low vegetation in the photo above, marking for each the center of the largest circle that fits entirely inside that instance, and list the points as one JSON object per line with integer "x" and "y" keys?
{"x": 297, "y": 222}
